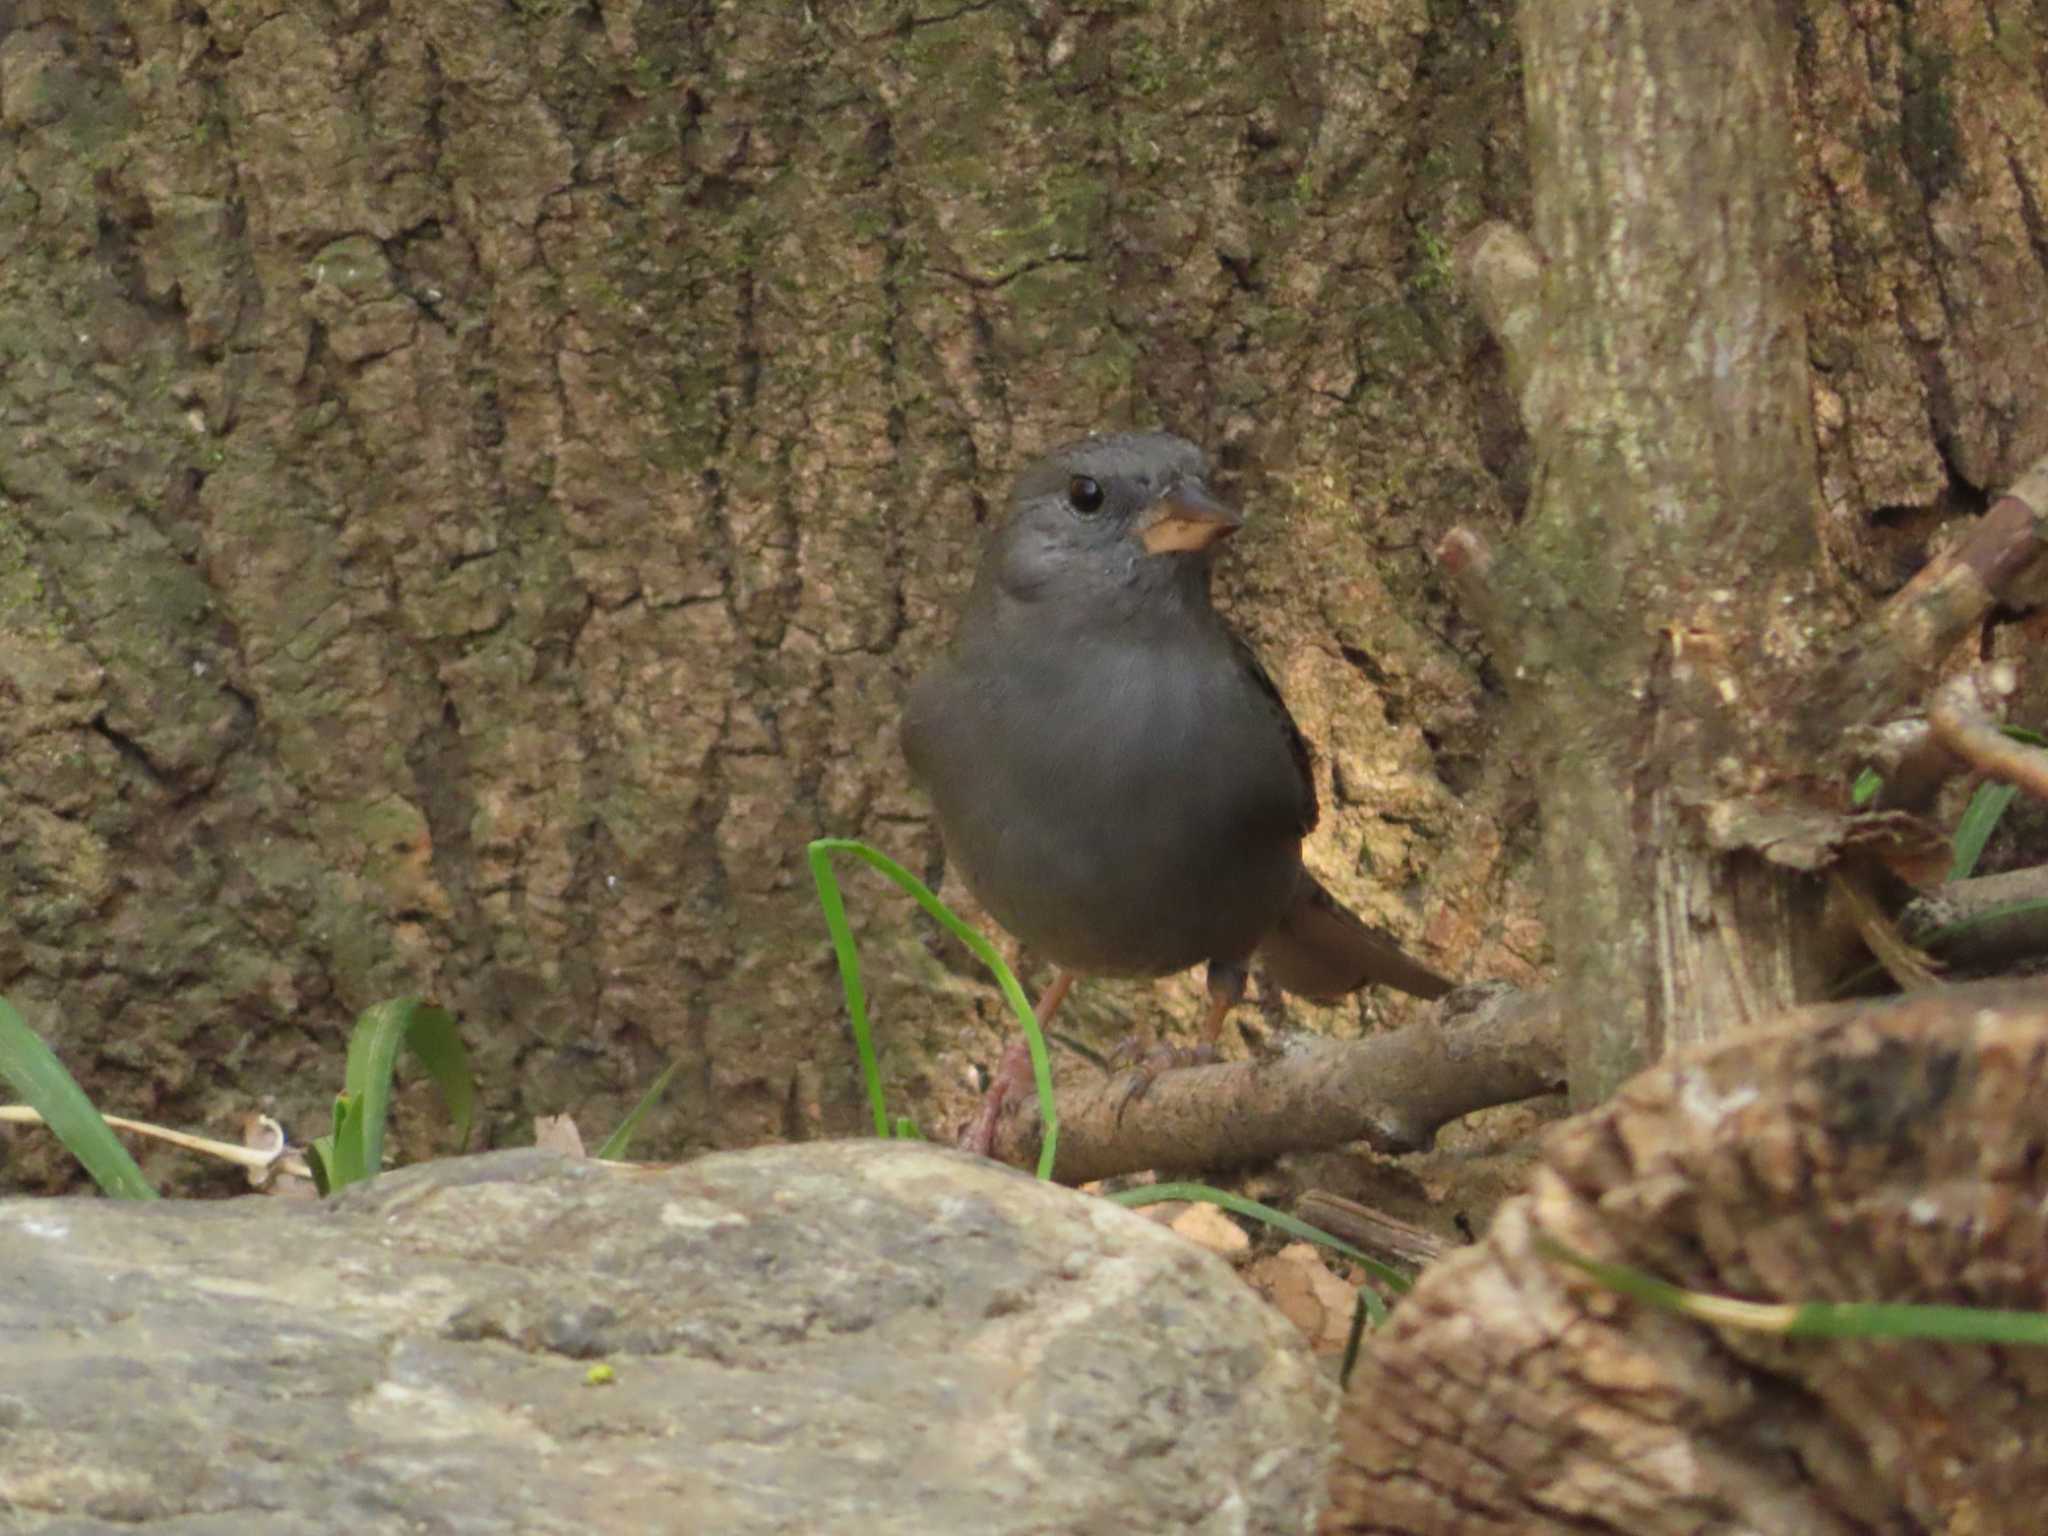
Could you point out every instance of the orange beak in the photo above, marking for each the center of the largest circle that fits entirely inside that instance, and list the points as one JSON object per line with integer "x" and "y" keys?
{"x": 1186, "y": 519}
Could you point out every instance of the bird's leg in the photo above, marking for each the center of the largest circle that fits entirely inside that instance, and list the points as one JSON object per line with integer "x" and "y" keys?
{"x": 1013, "y": 1072}
{"x": 1226, "y": 990}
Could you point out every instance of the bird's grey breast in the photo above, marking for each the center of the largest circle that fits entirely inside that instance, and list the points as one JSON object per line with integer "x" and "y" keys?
{"x": 1122, "y": 798}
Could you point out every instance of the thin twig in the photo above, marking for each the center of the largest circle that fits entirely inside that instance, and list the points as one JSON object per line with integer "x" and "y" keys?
{"x": 1908, "y": 967}
{"x": 1383, "y": 1236}
{"x": 1992, "y": 922}
{"x": 255, "y": 1160}
{"x": 1885, "y": 663}
{"x": 1960, "y": 714}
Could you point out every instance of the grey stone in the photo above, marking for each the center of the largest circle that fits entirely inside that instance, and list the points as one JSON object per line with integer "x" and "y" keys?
{"x": 836, "y": 1337}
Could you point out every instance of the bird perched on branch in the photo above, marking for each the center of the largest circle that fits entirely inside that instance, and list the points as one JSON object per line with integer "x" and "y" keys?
{"x": 1116, "y": 776}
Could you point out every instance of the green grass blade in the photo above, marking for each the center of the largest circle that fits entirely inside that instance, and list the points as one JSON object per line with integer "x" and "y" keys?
{"x": 1998, "y": 913}
{"x": 380, "y": 1033}
{"x": 1814, "y": 1319}
{"x": 848, "y": 955}
{"x": 615, "y": 1145}
{"x": 1901, "y": 1320}
{"x": 320, "y": 1163}
{"x": 32, "y": 1069}
{"x": 1987, "y": 805}
{"x": 373, "y": 1047}
{"x": 1935, "y": 940}
{"x": 341, "y": 1149}
{"x": 856, "y": 999}
{"x": 436, "y": 1044}
{"x": 1865, "y": 789}
{"x": 1293, "y": 1226}
{"x": 1978, "y": 822}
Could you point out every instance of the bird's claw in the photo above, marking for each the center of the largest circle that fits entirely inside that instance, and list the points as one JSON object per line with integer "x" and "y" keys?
{"x": 1155, "y": 1060}
{"x": 1128, "y": 1052}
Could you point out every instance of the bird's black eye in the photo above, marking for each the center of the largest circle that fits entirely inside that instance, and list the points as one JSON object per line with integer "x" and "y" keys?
{"x": 1084, "y": 495}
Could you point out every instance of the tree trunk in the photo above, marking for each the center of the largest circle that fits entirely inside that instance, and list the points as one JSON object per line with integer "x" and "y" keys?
{"x": 480, "y": 476}
{"x": 1667, "y": 615}
{"x": 1662, "y": 604}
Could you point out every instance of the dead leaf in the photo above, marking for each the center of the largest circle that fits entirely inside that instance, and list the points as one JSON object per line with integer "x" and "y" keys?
{"x": 558, "y": 1133}
{"x": 1300, "y": 1286}
{"x": 1207, "y": 1226}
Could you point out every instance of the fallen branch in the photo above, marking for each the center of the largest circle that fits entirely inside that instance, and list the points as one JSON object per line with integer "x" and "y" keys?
{"x": 1887, "y": 661}
{"x": 1992, "y": 923}
{"x": 1387, "y": 1238}
{"x": 1391, "y": 1091}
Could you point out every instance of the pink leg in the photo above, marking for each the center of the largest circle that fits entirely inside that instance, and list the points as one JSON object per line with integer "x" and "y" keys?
{"x": 1012, "y": 1074}
{"x": 1226, "y": 990}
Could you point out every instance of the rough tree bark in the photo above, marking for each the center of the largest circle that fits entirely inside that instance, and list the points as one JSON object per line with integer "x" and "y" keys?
{"x": 1660, "y": 610}
{"x": 1666, "y": 609}
{"x": 477, "y": 478}
{"x": 1678, "y": 650}
{"x": 1853, "y": 1154}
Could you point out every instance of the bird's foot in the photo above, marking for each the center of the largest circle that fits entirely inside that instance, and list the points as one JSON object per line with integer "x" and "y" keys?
{"x": 1012, "y": 1073}
{"x": 1147, "y": 1063}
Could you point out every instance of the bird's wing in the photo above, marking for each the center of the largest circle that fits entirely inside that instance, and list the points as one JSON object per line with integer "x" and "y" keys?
{"x": 1297, "y": 744}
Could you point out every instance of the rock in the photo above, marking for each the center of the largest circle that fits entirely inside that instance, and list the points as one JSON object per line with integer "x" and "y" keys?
{"x": 862, "y": 1337}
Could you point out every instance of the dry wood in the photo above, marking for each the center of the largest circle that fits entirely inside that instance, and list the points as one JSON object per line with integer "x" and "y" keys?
{"x": 1390, "y": 1091}
{"x": 1385, "y": 1237}
{"x": 1961, "y": 718}
{"x": 1887, "y": 662}
{"x": 1885, "y": 1152}
{"x": 1990, "y": 922}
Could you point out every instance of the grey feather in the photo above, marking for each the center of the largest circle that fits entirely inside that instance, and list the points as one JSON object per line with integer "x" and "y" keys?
{"x": 1116, "y": 777}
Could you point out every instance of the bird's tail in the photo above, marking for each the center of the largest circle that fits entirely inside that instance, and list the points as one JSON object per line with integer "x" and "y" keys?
{"x": 1322, "y": 950}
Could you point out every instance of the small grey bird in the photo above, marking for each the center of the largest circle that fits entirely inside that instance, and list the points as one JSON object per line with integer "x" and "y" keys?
{"x": 1116, "y": 777}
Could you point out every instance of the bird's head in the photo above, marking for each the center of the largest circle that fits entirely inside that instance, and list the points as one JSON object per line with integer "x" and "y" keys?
{"x": 1129, "y": 512}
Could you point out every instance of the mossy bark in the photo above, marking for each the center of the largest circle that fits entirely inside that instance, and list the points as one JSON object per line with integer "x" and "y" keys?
{"x": 1671, "y": 610}
{"x": 1712, "y": 181}
{"x": 476, "y": 479}
{"x": 479, "y": 478}
{"x": 1665, "y": 601}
